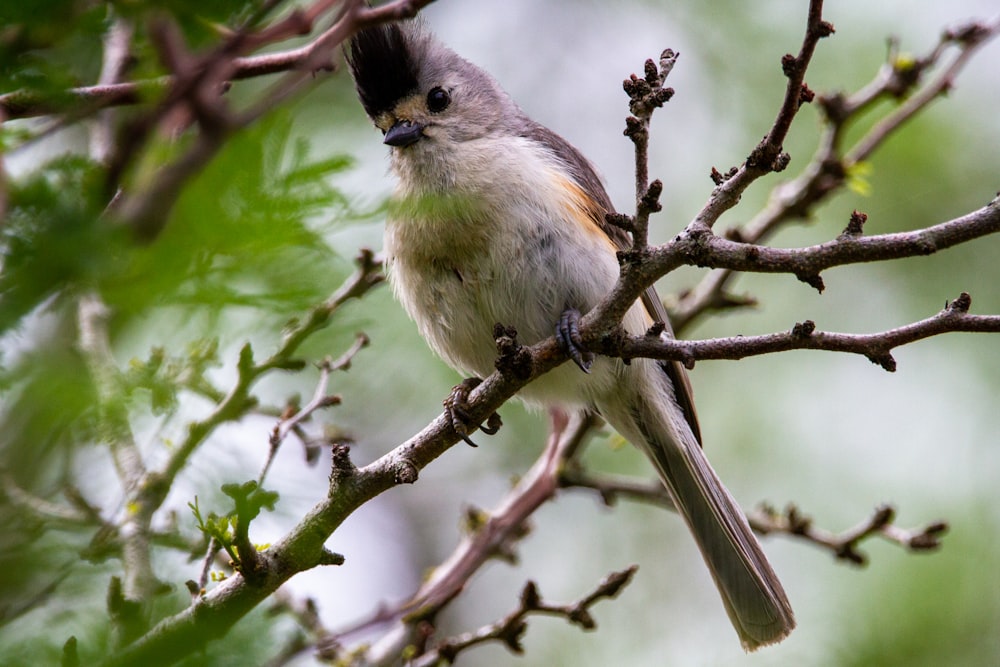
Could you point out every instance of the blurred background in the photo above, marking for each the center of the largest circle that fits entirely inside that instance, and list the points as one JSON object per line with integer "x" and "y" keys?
{"x": 834, "y": 434}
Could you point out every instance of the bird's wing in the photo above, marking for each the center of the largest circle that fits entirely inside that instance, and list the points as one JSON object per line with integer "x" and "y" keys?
{"x": 590, "y": 182}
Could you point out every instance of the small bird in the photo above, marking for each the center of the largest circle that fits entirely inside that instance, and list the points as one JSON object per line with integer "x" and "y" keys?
{"x": 497, "y": 219}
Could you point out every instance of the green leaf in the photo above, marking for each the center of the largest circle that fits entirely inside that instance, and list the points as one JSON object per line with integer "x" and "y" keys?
{"x": 53, "y": 239}
{"x": 244, "y": 233}
{"x": 859, "y": 178}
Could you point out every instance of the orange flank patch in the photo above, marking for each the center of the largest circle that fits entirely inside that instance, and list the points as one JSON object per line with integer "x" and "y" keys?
{"x": 588, "y": 213}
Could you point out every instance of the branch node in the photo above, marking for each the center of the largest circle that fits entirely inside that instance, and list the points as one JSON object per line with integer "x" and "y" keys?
{"x": 813, "y": 280}
{"x": 719, "y": 178}
{"x": 580, "y": 616}
{"x": 633, "y": 127}
{"x": 405, "y": 472}
{"x": 687, "y": 359}
{"x": 789, "y": 65}
{"x": 929, "y": 538}
{"x": 855, "y": 226}
{"x": 327, "y": 557}
{"x": 651, "y": 200}
{"x": 341, "y": 466}
{"x": 824, "y": 29}
{"x": 804, "y": 329}
{"x": 615, "y": 582}
{"x": 781, "y": 162}
{"x": 967, "y": 35}
{"x": 531, "y": 599}
{"x": 835, "y": 108}
{"x": 961, "y": 304}
{"x": 806, "y": 95}
{"x": 768, "y": 157}
{"x": 883, "y": 359}
{"x": 883, "y": 516}
{"x": 513, "y": 359}
{"x": 620, "y": 220}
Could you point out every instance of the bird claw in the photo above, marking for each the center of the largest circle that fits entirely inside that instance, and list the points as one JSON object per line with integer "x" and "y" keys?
{"x": 456, "y": 408}
{"x": 568, "y": 335}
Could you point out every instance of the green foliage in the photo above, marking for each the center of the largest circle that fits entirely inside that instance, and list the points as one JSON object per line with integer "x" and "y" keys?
{"x": 249, "y": 499}
{"x": 47, "y": 46}
{"x": 163, "y": 376}
{"x": 52, "y": 239}
{"x": 245, "y": 233}
{"x": 247, "y": 237}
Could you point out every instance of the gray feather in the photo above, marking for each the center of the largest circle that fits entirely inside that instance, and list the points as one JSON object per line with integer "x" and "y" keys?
{"x": 751, "y": 592}
{"x": 586, "y": 176}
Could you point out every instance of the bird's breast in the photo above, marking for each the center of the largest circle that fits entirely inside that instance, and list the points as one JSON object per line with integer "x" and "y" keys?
{"x": 512, "y": 240}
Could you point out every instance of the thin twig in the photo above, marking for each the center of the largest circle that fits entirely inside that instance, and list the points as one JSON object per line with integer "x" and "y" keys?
{"x": 828, "y": 169}
{"x": 117, "y": 43}
{"x": 493, "y": 535}
{"x": 510, "y": 629}
{"x": 40, "y": 509}
{"x": 320, "y": 400}
{"x": 876, "y": 347}
{"x": 367, "y": 275}
{"x": 768, "y": 155}
{"x": 198, "y": 589}
{"x": 844, "y": 546}
{"x": 139, "y": 581}
{"x": 613, "y": 487}
{"x": 768, "y": 521}
{"x": 975, "y": 36}
{"x": 646, "y": 94}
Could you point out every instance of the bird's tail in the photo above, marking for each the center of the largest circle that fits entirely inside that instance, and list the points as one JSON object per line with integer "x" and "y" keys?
{"x": 751, "y": 592}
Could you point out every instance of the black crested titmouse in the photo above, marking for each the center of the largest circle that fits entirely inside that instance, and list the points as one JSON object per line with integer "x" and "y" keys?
{"x": 500, "y": 220}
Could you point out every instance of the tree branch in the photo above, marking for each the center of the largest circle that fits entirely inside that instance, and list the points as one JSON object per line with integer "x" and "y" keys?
{"x": 493, "y": 535}
{"x": 367, "y": 275}
{"x": 876, "y": 347}
{"x": 195, "y": 93}
{"x": 139, "y": 582}
{"x": 512, "y": 627}
{"x": 829, "y": 169}
{"x": 311, "y": 57}
{"x": 320, "y": 400}
{"x": 768, "y": 155}
{"x": 117, "y": 43}
{"x": 766, "y": 520}
{"x": 969, "y": 39}
{"x": 302, "y": 548}
{"x": 697, "y": 246}
{"x": 646, "y": 95}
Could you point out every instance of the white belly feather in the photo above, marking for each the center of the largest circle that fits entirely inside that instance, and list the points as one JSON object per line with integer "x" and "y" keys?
{"x": 479, "y": 247}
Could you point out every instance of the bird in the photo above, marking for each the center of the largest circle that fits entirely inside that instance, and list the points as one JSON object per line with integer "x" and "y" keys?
{"x": 497, "y": 219}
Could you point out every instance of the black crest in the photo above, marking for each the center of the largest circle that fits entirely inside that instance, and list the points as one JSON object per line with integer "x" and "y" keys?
{"x": 384, "y": 67}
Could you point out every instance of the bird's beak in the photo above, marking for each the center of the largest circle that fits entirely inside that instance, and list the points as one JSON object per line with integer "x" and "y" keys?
{"x": 403, "y": 133}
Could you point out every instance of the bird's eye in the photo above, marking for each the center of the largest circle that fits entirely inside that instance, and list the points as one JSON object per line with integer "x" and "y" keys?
{"x": 438, "y": 100}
